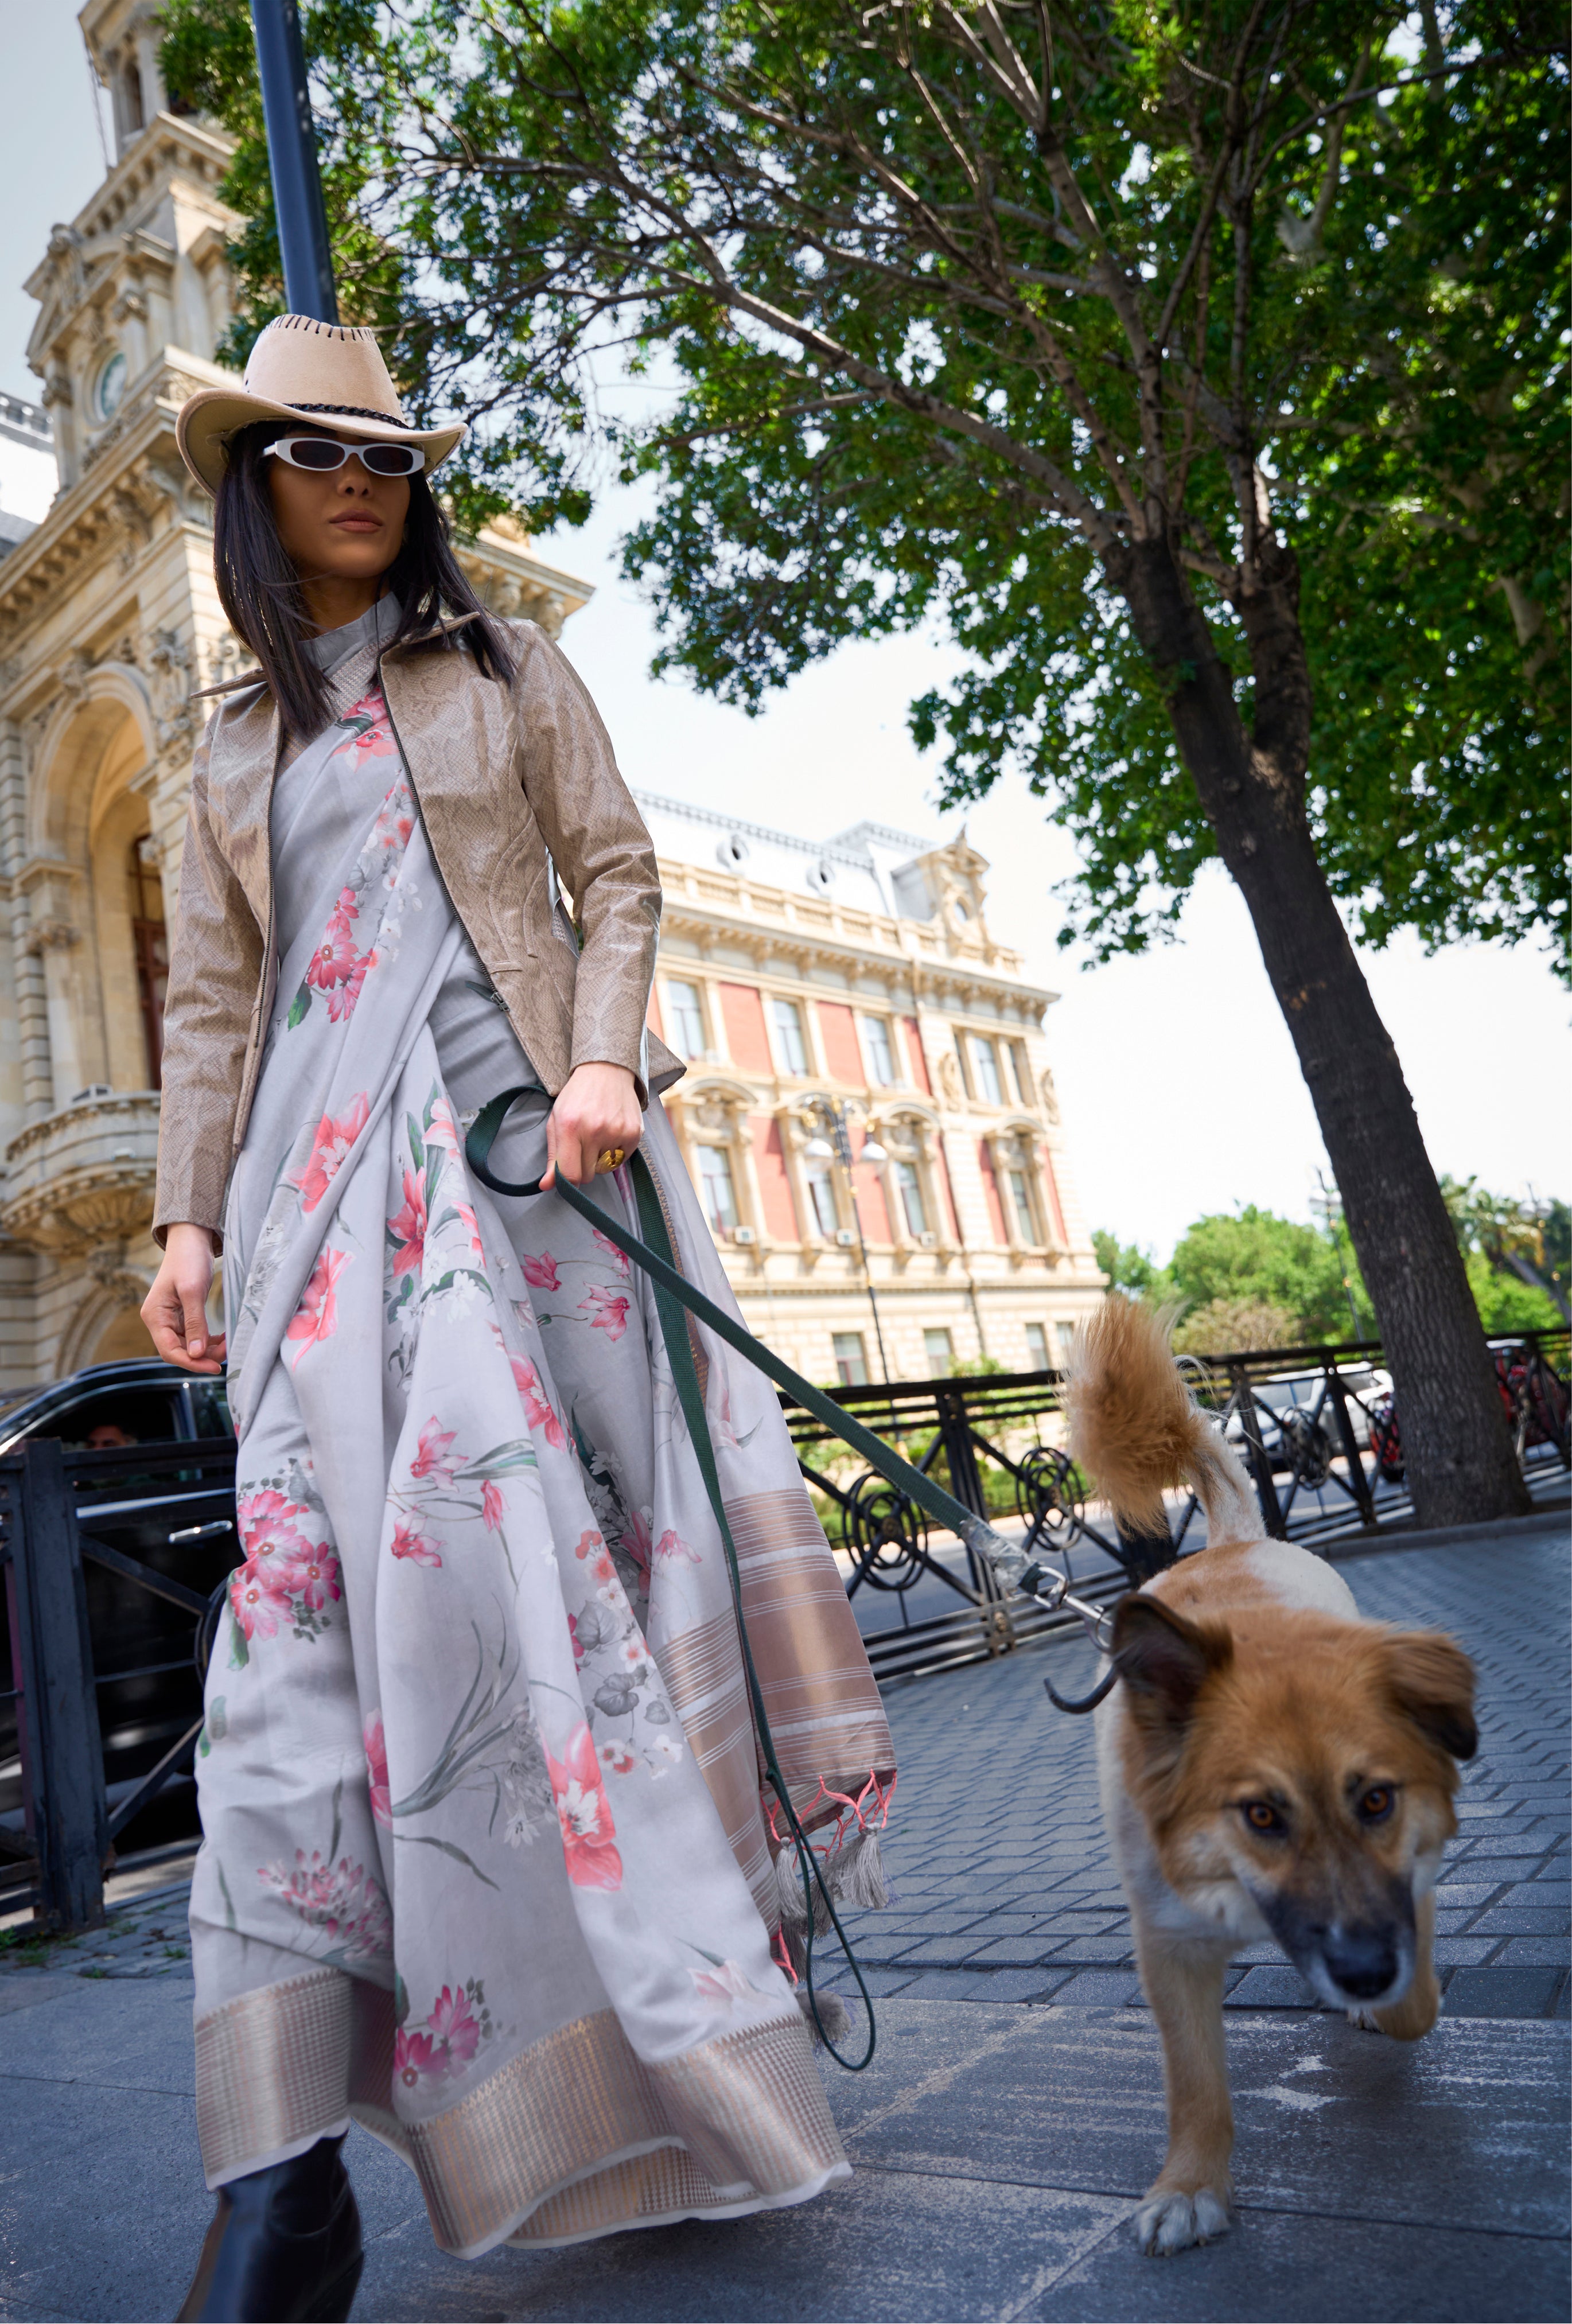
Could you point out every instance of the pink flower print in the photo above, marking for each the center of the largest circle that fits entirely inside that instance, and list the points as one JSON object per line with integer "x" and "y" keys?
{"x": 602, "y": 1571}
{"x": 331, "y": 1150}
{"x": 410, "y": 1225}
{"x": 376, "y": 1769}
{"x": 578, "y": 1648}
{"x": 433, "y": 1459}
{"x": 376, "y": 741}
{"x": 444, "y": 1129}
{"x": 317, "y": 1316}
{"x": 493, "y": 1508}
{"x": 341, "y": 1004}
{"x": 538, "y": 1412}
{"x": 455, "y": 2026}
{"x": 266, "y": 1531}
{"x": 540, "y": 1273}
{"x": 633, "y": 1654}
{"x": 468, "y": 1219}
{"x": 342, "y": 1900}
{"x": 609, "y": 1311}
{"x": 617, "y": 1257}
{"x": 408, "y": 1541}
{"x": 415, "y": 2055}
{"x": 586, "y": 1543}
{"x": 724, "y": 1984}
{"x": 635, "y": 1540}
{"x": 618, "y": 1756}
{"x": 314, "y": 1578}
{"x": 256, "y": 1600}
{"x": 334, "y": 958}
{"x": 584, "y": 1815}
{"x": 671, "y": 1544}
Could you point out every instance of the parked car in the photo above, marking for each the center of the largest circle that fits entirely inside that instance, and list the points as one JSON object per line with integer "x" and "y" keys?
{"x": 1295, "y": 1418}
{"x": 177, "y": 1525}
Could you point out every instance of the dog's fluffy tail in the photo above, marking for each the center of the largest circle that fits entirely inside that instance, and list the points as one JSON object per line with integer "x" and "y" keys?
{"x": 1137, "y": 1431}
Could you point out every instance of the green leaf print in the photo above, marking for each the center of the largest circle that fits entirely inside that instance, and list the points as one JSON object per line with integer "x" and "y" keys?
{"x": 298, "y": 1008}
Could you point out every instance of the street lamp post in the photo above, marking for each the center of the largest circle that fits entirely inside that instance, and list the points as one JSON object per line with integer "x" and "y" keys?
{"x": 292, "y": 155}
{"x": 829, "y": 1112}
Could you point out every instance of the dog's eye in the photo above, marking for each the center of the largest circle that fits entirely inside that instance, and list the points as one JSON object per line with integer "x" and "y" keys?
{"x": 1377, "y": 1803}
{"x": 1262, "y": 1816}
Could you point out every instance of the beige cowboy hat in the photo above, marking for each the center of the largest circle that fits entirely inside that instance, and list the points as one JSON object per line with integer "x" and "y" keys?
{"x": 323, "y": 374}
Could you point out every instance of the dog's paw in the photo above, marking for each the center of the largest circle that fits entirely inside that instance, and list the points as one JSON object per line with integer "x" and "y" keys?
{"x": 1171, "y": 2220}
{"x": 1366, "y": 2021}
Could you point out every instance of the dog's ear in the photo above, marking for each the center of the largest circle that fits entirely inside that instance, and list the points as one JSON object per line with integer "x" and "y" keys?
{"x": 1430, "y": 1680}
{"x": 1164, "y": 1660}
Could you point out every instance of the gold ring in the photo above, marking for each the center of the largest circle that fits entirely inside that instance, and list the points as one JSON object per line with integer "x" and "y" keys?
{"x": 610, "y": 1157}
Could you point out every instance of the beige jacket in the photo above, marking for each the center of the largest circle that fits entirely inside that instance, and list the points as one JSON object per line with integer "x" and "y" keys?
{"x": 503, "y": 774}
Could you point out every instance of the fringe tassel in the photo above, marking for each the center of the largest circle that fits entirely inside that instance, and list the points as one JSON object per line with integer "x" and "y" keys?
{"x": 835, "y": 2016}
{"x": 854, "y": 1876}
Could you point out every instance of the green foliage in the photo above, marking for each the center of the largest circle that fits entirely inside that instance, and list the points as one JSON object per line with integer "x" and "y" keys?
{"x": 907, "y": 391}
{"x": 1249, "y": 1278}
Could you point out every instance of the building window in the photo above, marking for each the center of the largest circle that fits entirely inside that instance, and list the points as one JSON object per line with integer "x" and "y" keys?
{"x": 880, "y": 1055}
{"x": 822, "y": 1194}
{"x": 1066, "y": 1335}
{"x": 714, "y": 1184}
{"x": 1020, "y": 1198}
{"x": 685, "y": 1013}
{"x": 150, "y": 941}
{"x": 851, "y": 1359}
{"x": 789, "y": 1040}
{"x": 940, "y": 1349}
{"x": 985, "y": 1070}
{"x": 1036, "y": 1348}
{"x": 911, "y": 1202}
{"x": 961, "y": 1060}
{"x": 1023, "y": 1089}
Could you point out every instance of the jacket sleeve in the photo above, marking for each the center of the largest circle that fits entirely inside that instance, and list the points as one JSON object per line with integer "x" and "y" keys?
{"x": 214, "y": 980}
{"x": 603, "y": 853}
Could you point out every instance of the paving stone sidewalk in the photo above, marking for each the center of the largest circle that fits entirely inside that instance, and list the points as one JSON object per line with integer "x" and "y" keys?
{"x": 1004, "y": 1890}
{"x": 1013, "y": 2111}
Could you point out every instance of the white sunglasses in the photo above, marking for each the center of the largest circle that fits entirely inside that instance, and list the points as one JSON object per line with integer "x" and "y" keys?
{"x": 322, "y": 454}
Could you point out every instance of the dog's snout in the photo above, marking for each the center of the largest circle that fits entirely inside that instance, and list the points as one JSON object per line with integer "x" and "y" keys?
{"x": 1363, "y": 1962}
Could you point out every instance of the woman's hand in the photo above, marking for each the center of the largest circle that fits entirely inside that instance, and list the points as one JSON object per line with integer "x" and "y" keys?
{"x": 596, "y": 1108}
{"x": 175, "y": 1310}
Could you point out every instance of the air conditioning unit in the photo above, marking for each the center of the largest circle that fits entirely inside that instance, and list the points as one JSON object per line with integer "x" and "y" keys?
{"x": 928, "y": 1240}
{"x": 845, "y": 1237}
{"x": 743, "y": 1235}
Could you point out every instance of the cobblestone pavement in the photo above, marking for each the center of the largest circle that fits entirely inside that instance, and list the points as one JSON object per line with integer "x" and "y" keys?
{"x": 996, "y": 1854}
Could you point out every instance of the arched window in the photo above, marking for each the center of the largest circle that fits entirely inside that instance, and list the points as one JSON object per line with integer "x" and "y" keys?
{"x": 150, "y": 941}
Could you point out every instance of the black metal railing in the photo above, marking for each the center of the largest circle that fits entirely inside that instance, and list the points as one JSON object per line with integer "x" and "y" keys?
{"x": 1318, "y": 1428}
{"x": 115, "y": 1563}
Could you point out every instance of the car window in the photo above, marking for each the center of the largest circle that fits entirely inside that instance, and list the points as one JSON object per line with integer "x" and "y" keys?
{"x": 116, "y": 1417}
{"x": 209, "y": 1407}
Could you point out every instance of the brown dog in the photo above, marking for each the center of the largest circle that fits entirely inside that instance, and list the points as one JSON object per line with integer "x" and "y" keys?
{"x": 1271, "y": 1764}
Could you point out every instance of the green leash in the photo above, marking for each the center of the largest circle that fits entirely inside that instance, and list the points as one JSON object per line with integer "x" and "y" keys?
{"x": 673, "y": 1294}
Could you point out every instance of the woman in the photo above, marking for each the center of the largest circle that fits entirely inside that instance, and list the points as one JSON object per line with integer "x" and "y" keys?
{"x": 485, "y": 1863}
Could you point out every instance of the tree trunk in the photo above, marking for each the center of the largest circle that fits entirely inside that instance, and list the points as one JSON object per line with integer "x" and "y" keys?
{"x": 1456, "y": 1441}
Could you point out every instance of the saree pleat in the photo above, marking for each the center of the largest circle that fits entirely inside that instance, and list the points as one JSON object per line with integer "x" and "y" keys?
{"x": 486, "y": 1865}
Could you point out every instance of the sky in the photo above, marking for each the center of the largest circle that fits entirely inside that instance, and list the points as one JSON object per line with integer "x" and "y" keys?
{"x": 1180, "y": 1090}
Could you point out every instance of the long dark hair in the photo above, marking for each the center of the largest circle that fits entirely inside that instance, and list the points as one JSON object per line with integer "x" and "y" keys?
{"x": 260, "y": 590}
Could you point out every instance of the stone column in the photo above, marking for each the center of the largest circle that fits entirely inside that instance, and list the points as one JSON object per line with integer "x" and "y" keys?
{"x": 30, "y": 986}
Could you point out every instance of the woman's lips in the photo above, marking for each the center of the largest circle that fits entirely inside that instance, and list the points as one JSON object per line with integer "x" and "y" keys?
{"x": 356, "y": 524}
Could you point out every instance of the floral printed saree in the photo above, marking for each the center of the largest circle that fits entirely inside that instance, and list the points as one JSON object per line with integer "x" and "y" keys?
{"x": 486, "y": 1865}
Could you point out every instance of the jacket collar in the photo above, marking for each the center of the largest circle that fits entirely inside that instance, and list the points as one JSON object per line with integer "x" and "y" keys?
{"x": 255, "y": 678}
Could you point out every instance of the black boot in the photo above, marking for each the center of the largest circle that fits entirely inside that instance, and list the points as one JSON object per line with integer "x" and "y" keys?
{"x": 283, "y": 2248}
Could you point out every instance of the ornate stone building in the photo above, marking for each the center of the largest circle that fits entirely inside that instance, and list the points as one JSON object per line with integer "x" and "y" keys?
{"x": 108, "y": 620}
{"x": 857, "y": 977}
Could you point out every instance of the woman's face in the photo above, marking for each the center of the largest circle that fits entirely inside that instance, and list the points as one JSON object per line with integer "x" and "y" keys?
{"x": 348, "y": 524}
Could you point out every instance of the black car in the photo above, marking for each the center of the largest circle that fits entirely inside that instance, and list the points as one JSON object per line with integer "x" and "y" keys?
{"x": 118, "y": 1426}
